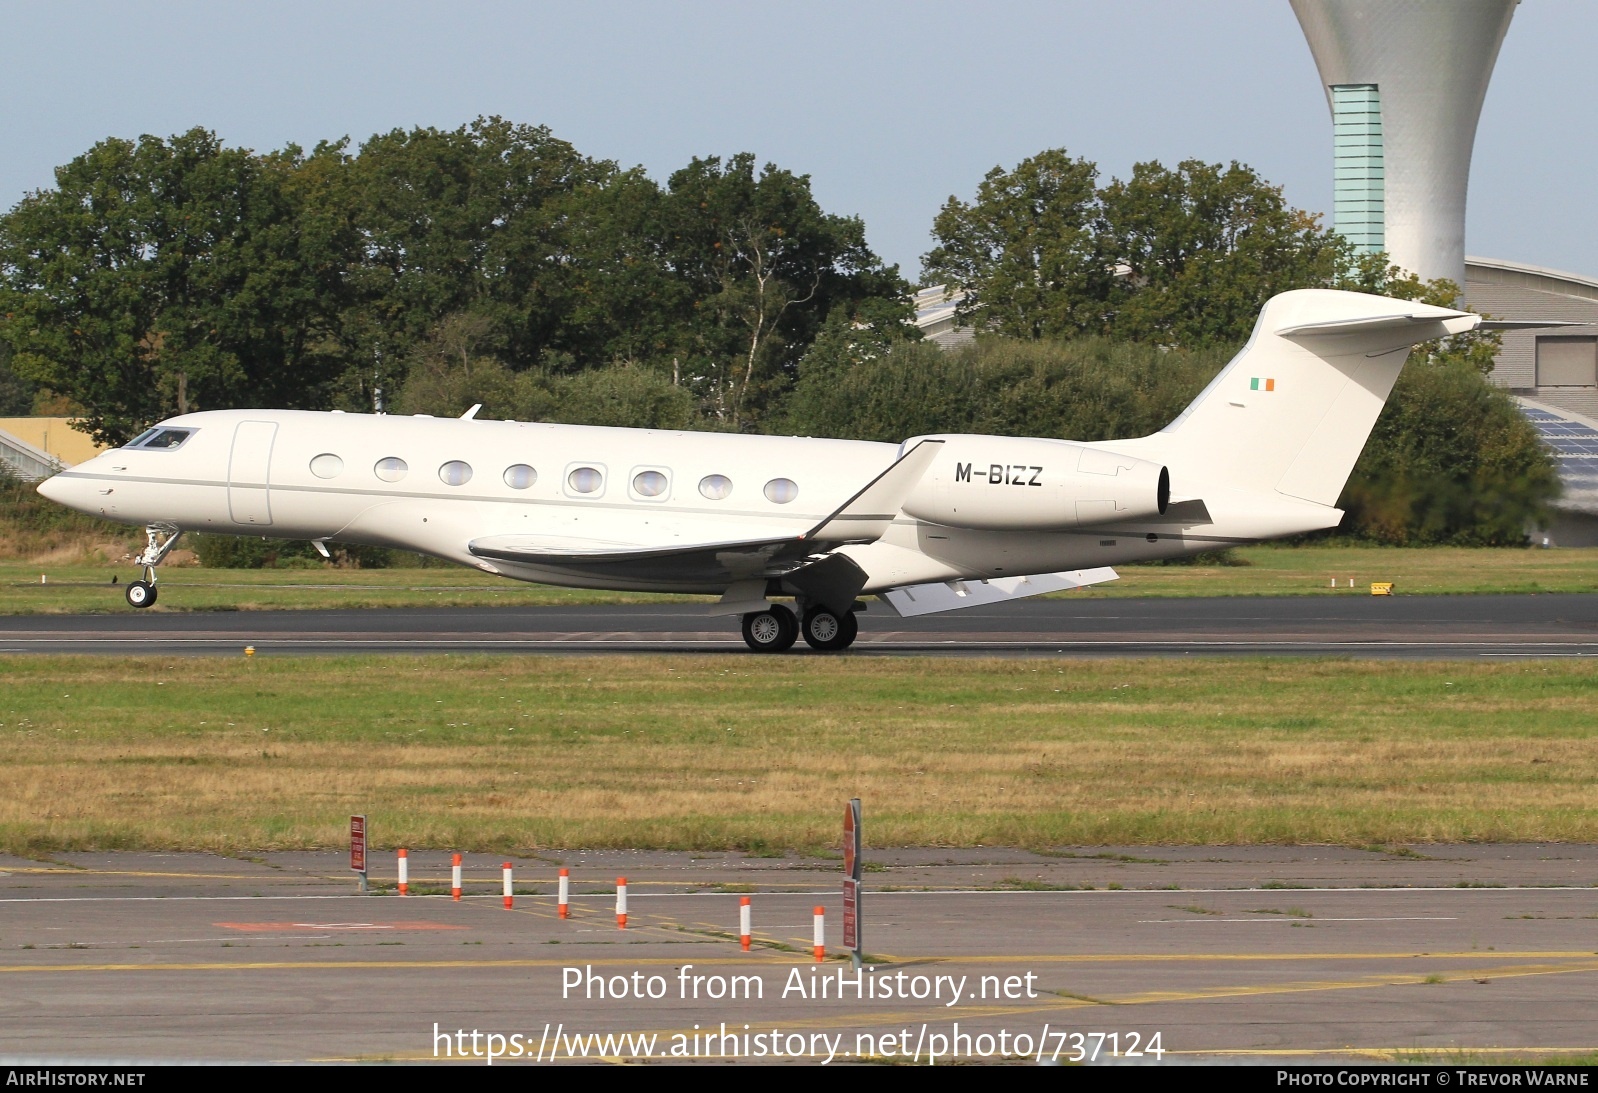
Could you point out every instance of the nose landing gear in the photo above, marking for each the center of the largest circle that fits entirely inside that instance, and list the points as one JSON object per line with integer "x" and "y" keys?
{"x": 142, "y": 593}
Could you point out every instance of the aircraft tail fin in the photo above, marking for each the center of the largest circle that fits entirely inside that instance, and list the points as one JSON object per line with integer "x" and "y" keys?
{"x": 1291, "y": 413}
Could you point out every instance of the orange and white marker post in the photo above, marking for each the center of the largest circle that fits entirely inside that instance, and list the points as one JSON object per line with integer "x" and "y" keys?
{"x": 621, "y": 903}
{"x": 563, "y": 901}
{"x": 743, "y": 923}
{"x": 404, "y": 872}
{"x": 820, "y": 937}
{"x": 455, "y": 878}
{"x": 506, "y": 868}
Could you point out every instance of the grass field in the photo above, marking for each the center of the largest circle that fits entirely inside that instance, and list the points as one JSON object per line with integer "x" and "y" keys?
{"x": 1264, "y": 571}
{"x": 500, "y": 753}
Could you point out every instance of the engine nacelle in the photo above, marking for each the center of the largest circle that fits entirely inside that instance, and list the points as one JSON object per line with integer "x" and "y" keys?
{"x": 995, "y": 483}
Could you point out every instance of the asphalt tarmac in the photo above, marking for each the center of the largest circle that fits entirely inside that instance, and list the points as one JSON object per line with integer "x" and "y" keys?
{"x": 1429, "y": 627}
{"x": 1104, "y": 955}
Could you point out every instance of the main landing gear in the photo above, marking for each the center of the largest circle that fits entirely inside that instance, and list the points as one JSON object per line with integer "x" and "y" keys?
{"x": 142, "y": 593}
{"x": 774, "y": 630}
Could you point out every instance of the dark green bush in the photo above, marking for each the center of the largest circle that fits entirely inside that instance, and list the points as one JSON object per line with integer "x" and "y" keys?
{"x": 253, "y": 552}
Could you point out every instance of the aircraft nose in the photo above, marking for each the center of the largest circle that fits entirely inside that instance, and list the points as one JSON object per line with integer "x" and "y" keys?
{"x": 62, "y": 490}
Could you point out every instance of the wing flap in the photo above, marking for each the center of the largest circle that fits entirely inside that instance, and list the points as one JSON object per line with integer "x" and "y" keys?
{"x": 940, "y": 596}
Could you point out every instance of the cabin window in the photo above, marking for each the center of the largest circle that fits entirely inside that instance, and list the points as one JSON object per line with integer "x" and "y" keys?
{"x": 455, "y": 473}
{"x": 161, "y": 440}
{"x": 715, "y": 486}
{"x": 585, "y": 480}
{"x": 779, "y": 491}
{"x": 650, "y": 483}
{"x": 391, "y": 469}
{"x": 520, "y": 476}
{"x": 327, "y": 465}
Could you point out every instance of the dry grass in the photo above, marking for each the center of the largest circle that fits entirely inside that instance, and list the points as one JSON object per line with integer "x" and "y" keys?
{"x": 708, "y": 752}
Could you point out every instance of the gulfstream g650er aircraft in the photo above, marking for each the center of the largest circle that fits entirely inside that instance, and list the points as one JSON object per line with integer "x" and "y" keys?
{"x": 933, "y": 524}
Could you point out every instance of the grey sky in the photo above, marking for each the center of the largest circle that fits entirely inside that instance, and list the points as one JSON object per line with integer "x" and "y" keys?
{"x": 890, "y": 106}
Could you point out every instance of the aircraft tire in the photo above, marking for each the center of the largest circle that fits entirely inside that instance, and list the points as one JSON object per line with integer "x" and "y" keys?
{"x": 826, "y": 631}
{"x": 139, "y": 594}
{"x": 851, "y": 630}
{"x": 773, "y": 630}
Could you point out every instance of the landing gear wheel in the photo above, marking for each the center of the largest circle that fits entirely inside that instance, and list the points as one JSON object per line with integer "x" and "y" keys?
{"x": 139, "y": 594}
{"x": 828, "y": 631}
{"x": 159, "y": 541}
{"x": 773, "y": 630}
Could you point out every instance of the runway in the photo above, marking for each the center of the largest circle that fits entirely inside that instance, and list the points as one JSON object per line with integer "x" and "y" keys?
{"x": 1426, "y": 627}
{"x": 1100, "y": 955}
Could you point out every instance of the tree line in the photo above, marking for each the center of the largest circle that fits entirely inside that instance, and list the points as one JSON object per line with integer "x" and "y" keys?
{"x": 160, "y": 276}
{"x": 427, "y": 270}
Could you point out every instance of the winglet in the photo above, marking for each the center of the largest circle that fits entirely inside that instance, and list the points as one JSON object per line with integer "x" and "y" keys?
{"x": 866, "y": 515}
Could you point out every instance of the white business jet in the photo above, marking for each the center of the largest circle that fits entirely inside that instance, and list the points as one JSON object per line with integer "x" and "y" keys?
{"x": 934, "y": 524}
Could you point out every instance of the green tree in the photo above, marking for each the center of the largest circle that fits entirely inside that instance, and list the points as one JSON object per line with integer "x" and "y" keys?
{"x": 764, "y": 266}
{"x": 454, "y": 368}
{"x": 1027, "y": 252}
{"x": 16, "y": 393}
{"x": 471, "y": 220}
{"x": 163, "y": 276}
{"x": 1202, "y": 247}
{"x": 1177, "y": 257}
{"x": 1451, "y": 460}
{"x": 618, "y": 395}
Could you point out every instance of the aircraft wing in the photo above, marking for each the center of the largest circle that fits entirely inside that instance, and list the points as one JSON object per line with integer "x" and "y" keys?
{"x": 707, "y": 563}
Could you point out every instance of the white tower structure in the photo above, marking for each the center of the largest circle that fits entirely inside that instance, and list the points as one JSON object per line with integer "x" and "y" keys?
{"x": 1405, "y": 80}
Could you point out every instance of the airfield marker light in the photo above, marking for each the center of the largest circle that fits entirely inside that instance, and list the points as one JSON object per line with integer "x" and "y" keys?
{"x": 506, "y": 868}
{"x": 404, "y": 872}
{"x": 820, "y": 937}
{"x": 249, "y": 650}
{"x": 743, "y": 923}
{"x": 621, "y": 903}
{"x": 564, "y": 899}
{"x": 455, "y": 878}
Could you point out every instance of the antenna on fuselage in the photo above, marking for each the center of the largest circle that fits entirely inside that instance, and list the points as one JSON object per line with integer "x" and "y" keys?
{"x": 469, "y": 414}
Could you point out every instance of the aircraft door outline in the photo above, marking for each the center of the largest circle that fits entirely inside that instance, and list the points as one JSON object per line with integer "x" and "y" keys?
{"x": 249, "y": 473}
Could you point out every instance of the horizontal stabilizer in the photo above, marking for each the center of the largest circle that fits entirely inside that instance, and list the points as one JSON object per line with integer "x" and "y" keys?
{"x": 1526, "y": 324}
{"x": 931, "y": 599}
{"x": 1371, "y": 324}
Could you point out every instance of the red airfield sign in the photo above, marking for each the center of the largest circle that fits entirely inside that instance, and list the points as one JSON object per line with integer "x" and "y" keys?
{"x": 358, "y": 843}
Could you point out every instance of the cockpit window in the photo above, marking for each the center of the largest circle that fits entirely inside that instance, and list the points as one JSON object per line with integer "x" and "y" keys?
{"x": 142, "y": 437}
{"x": 162, "y": 439}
